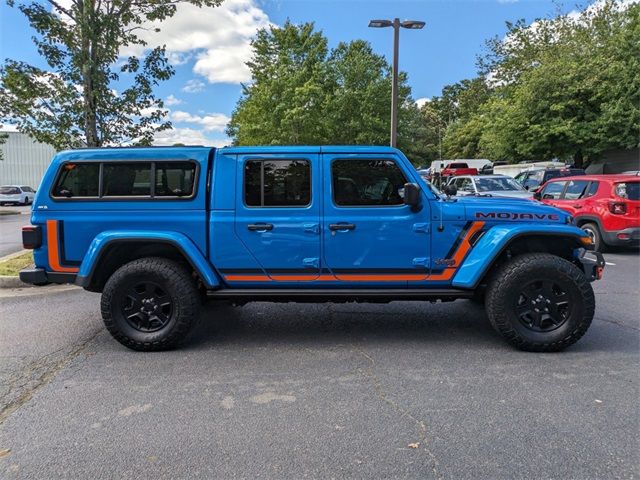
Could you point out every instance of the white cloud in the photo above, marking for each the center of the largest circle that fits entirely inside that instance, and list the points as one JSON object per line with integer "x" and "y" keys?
{"x": 193, "y": 86}
{"x": 210, "y": 122}
{"x": 171, "y": 100}
{"x": 187, "y": 136}
{"x": 144, "y": 112}
{"x": 422, "y": 101}
{"x": 219, "y": 38}
{"x": 8, "y": 127}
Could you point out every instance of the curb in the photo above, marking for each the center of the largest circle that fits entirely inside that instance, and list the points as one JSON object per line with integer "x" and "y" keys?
{"x": 7, "y": 281}
{"x": 13, "y": 255}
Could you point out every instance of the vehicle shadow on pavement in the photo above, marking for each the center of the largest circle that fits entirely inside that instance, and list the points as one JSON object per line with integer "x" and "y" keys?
{"x": 461, "y": 323}
{"x": 458, "y": 323}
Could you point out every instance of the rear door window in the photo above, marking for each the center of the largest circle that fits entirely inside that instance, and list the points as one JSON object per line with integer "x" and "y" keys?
{"x": 277, "y": 183}
{"x": 593, "y": 189}
{"x": 77, "y": 180}
{"x": 575, "y": 189}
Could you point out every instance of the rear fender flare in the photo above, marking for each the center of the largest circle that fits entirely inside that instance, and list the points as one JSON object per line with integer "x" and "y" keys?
{"x": 497, "y": 239}
{"x": 190, "y": 251}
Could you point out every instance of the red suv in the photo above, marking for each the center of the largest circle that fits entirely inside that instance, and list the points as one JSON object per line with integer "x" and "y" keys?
{"x": 605, "y": 206}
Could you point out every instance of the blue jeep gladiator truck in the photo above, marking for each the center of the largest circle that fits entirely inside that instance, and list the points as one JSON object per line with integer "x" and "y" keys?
{"x": 159, "y": 230}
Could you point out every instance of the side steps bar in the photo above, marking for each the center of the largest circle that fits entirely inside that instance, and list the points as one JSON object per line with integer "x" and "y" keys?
{"x": 336, "y": 295}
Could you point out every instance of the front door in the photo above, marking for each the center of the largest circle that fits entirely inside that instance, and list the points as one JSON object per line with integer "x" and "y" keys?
{"x": 278, "y": 214}
{"x": 369, "y": 234}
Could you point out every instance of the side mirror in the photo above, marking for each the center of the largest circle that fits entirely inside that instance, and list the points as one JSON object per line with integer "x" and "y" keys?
{"x": 537, "y": 195}
{"x": 412, "y": 195}
{"x": 450, "y": 190}
{"x": 527, "y": 187}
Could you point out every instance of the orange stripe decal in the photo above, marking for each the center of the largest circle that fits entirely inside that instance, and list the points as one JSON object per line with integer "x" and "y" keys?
{"x": 447, "y": 274}
{"x": 53, "y": 249}
{"x": 247, "y": 278}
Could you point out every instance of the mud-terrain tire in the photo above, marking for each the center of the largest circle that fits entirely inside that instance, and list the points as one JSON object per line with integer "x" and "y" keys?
{"x": 150, "y": 304}
{"x": 521, "y": 290}
{"x": 594, "y": 232}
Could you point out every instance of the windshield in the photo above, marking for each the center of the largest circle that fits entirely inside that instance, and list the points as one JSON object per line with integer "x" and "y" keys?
{"x": 497, "y": 184}
{"x": 9, "y": 191}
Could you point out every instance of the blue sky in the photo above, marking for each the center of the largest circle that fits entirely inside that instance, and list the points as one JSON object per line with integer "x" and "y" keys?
{"x": 208, "y": 48}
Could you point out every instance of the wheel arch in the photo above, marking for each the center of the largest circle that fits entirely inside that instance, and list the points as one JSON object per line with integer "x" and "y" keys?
{"x": 583, "y": 219}
{"x": 494, "y": 249}
{"x": 110, "y": 250}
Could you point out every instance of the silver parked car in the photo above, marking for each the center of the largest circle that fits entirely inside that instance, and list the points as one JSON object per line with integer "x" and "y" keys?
{"x": 16, "y": 194}
{"x": 489, "y": 186}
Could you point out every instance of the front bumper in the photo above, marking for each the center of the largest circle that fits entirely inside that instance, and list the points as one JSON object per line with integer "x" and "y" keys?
{"x": 630, "y": 236}
{"x": 39, "y": 276}
{"x": 592, "y": 264}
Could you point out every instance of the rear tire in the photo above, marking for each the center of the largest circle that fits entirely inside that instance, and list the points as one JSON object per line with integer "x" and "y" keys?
{"x": 150, "y": 304}
{"x": 594, "y": 232}
{"x": 540, "y": 302}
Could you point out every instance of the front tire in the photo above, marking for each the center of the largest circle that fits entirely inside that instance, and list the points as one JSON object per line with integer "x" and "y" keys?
{"x": 540, "y": 302}
{"x": 150, "y": 304}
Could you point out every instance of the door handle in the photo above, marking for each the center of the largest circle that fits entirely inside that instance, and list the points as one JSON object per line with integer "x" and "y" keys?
{"x": 259, "y": 227}
{"x": 577, "y": 206}
{"x": 342, "y": 226}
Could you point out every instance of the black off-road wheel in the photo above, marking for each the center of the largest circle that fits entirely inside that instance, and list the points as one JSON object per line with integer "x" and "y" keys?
{"x": 540, "y": 302}
{"x": 150, "y": 304}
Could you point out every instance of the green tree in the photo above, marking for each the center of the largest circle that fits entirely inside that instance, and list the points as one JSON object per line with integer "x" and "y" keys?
{"x": 284, "y": 103}
{"x": 73, "y": 101}
{"x": 302, "y": 93}
{"x": 567, "y": 87}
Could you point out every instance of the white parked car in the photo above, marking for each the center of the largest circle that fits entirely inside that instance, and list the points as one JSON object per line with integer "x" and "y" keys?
{"x": 16, "y": 194}
{"x": 489, "y": 186}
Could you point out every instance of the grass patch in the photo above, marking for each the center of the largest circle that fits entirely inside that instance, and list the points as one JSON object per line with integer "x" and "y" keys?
{"x": 8, "y": 212}
{"x": 14, "y": 265}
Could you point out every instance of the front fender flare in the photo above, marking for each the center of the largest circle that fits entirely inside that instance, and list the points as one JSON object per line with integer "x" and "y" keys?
{"x": 497, "y": 239}
{"x": 180, "y": 241}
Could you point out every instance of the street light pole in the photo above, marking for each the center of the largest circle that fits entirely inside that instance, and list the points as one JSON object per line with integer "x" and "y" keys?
{"x": 394, "y": 84}
{"x": 396, "y": 24}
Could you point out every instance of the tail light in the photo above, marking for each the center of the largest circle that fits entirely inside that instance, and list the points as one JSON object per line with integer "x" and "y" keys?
{"x": 619, "y": 208}
{"x": 31, "y": 237}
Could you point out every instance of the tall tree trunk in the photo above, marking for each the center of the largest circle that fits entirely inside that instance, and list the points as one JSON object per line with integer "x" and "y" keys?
{"x": 578, "y": 160}
{"x": 90, "y": 123}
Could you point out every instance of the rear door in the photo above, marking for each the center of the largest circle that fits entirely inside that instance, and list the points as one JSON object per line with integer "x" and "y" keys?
{"x": 574, "y": 196}
{"x": 369, "y": 234}
{"x": 278, "y": 214}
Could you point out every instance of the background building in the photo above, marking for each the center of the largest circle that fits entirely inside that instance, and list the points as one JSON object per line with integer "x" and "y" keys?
{"x": 24, "y": 160}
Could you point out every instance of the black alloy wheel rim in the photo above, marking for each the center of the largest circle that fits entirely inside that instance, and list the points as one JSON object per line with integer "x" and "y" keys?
{"x": 147, "y": 307}
{"x": 543, "y": 305}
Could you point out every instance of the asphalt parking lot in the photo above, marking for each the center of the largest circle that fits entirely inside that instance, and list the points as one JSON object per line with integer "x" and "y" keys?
{"x": 11, "y": 228}
{"x": 404, "y": 390}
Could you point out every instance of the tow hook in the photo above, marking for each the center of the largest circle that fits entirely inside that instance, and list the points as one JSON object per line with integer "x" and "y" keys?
{"x": 592, "y": 263}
